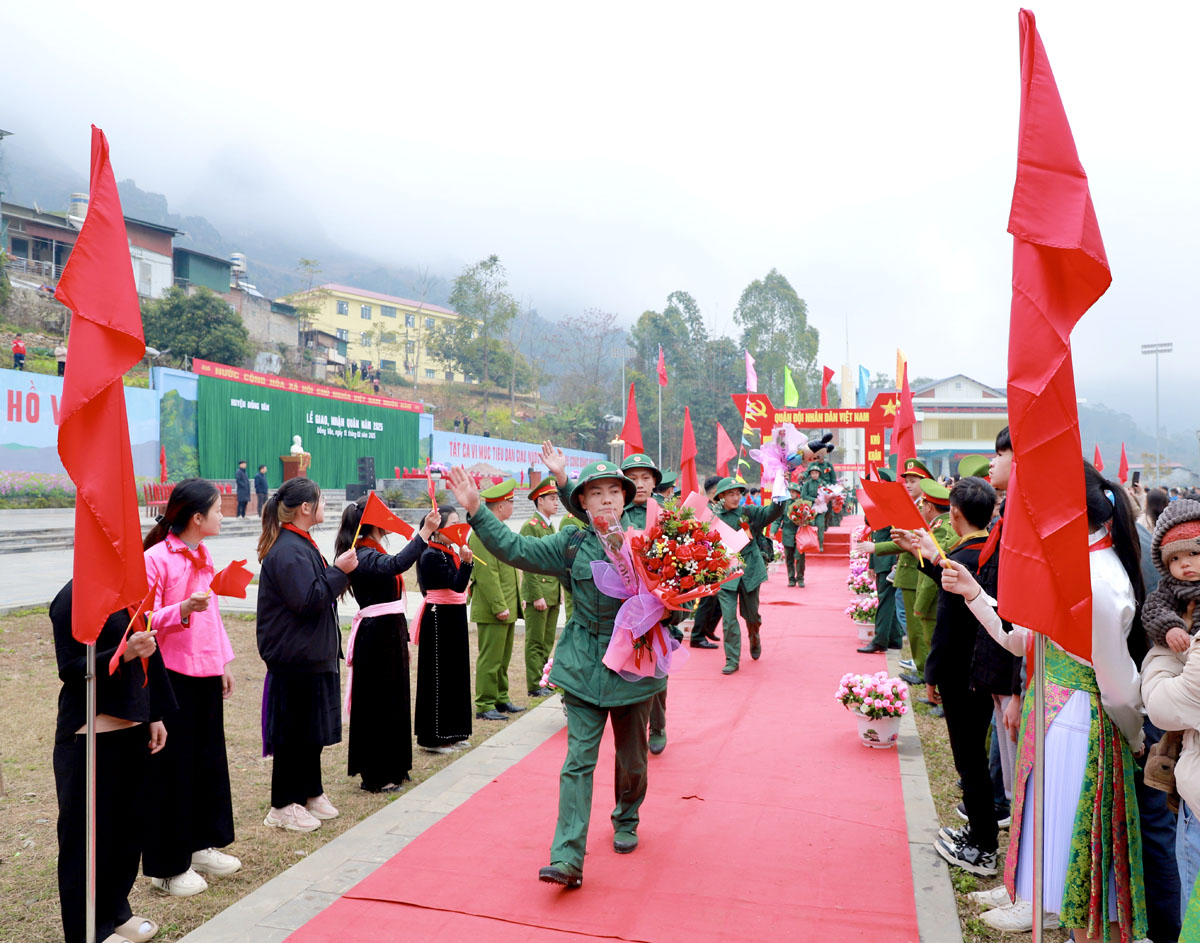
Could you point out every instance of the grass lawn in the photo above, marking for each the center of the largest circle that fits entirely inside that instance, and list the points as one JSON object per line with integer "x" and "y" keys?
{"x": 29, "y": 687}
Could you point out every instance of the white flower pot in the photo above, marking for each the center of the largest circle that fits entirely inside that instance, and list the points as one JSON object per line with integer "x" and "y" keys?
{"x": 879, "y": 734}
{"x": 866, "y": 631}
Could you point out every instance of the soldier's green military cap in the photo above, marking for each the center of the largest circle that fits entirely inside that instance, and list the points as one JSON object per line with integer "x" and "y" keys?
{"x": 499, "y": 492}
{"x": 914, "y": 466}
{"x": 936, "y": 493}
{"x": 974, "y": 466}
{"x": 668, "y": 480}
{"x": 794, "y": 486}
{"x": 638, "y": 460}
{"x": 884, "y": 473}
{"x": 729, "y": 484}
{"x": 594, "y": 472}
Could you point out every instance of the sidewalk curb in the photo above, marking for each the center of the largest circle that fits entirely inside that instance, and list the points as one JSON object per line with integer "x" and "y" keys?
{"x": 937, "y": 910}
{"x": 285, "y": 903}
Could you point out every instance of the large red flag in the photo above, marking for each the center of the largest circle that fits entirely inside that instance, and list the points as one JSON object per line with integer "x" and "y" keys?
{"x": 688, "y": 480}
{"x": 725, "y": 451}
{"x": 631, "y": 432}
{"x": 93, "y": 434}
{"x": 826, "y": 376}
{"x": 904, "y": 442}
{"x": 1098, "y": 459}
{"x": 1059, "y": 270}
{"x": 662, "y": 367}
{"x": 1123, "y": 468}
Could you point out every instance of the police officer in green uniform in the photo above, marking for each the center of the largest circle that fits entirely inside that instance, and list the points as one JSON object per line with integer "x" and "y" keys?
{"x": 787, "y": 535}
{"x": 495, "y": 607}
{"x": 906, "y": 572}
{"x": 935, "y": 508}
{"x": 539, "y": 592}
{"x": 743, "y": 591}
{"x": 888, "y": 632}
{"x": 592, "y": 693}
{"x": 808, "y": 492}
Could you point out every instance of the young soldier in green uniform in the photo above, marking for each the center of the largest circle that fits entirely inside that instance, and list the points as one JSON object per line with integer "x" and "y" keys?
{"x": 708, "y": 608}
{"x": 743, "y": 591}
{"x": 787, "y": 534}
{"x": 808, "y": 491}
{"x": 888, "y": 633}
{"x": 539, "y": 592}
{"x": 495, "y": 606}
{"x": 592, "y": 692}
{"x": 666, "y": 487}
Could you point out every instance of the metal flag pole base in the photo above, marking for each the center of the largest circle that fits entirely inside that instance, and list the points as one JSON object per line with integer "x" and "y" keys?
{"x": 1039, "y": 781}
{"x": 90, "y": 800}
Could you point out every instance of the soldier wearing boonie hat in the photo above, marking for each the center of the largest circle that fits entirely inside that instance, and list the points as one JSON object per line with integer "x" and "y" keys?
{"x": 795, "y": 562}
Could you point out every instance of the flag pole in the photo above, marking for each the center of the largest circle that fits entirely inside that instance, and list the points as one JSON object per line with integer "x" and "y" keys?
{"x": 90, "y": 799}
{"x": 1039, "y": 780}
{"x": 660, "y": 425}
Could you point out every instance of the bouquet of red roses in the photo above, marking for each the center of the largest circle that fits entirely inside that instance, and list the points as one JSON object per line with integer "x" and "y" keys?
{"x": 801, "y": 514}
{"x": 681, "y": 558}
{"x": 837, "y": 503}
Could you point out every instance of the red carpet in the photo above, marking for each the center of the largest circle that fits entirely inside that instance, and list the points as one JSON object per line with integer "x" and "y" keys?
{"x": 765, "y": 820}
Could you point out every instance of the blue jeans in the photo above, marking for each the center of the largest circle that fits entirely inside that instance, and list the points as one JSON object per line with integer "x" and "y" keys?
{"x": 1187, "y": 854}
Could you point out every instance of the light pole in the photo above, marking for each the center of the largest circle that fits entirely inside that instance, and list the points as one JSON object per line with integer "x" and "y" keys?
{"x": 1156, "y": 350}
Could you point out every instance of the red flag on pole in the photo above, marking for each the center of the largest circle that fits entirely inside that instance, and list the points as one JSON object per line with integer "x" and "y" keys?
{"x": 162, "y": 464}
{"x": 378, "y": 514}
{"x": 631, "y": 432}
{"x": 904, "y": 443}
{"x": 826, "y": 376}
{"x": 1059, "y": 270}
{"x": 93, "y": 434}
{"x": 725, "y": 451}
{"x": 1098, "y": 460}
{"x": 1123, "y": 468}
{"x": 688, "y": 480}
{"x": 662, "y": 367}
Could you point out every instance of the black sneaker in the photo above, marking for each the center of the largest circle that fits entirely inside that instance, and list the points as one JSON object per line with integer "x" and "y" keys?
{"x": 964, "y": 855}
{"x": 1003, "y": 816}
{"x": 955, "y": 835}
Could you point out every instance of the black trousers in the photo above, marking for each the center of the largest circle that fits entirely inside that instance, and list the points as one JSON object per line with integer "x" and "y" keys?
{"x": 241, "y": 507}
{"x": 1158, "y": 847}
{"x": 794, "y": 562}
{"x": 190, "y": 773}
{"x": 121, "y": 757}
{"x": 295, "y": 775}
{"x": 968, "y": 716}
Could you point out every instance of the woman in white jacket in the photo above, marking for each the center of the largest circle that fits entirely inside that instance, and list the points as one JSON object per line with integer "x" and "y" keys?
{"x": 1094, "y": 729}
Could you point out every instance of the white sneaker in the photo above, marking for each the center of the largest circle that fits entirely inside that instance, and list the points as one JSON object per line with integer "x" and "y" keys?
{"x": 442, "y": 750}
{"x": 294, "y": 818}
{"x": 461, "y": 745}
{"x": 996, "y": 897}
{"x": 187, "y": 884}
{"x": 211, "y": 861}
{"x": 1018, "y": 917}
{"x": 907, "y": 664}
{"x": 321, "y": 807}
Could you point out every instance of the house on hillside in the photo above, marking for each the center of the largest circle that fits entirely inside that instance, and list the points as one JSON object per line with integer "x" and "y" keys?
{"x": 957, "y": 416}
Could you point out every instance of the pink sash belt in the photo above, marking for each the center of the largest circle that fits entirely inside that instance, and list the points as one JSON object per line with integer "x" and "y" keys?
{"x": 370, "y": 612}
{"x": 446, "y": 597}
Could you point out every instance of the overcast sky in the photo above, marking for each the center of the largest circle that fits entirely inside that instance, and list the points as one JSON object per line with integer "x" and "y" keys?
{"x": 613, "y": 153}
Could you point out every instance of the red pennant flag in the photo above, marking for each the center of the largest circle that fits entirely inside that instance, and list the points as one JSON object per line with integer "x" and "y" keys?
{"x": 891, "y": 506}
{"x": 377, "y": 514}
{"x": 904, "y": 443}
{"x": 106, "y": 336}
{"x": 826, "y": 376}
{"x": 1123, "y": 468}
{"x": 688, "y": 479}
{"x": 1098, "y": 460}
{"x": 631, "y": 431}
{"x": 725, "y": 451}
{"x": 115, "y": 662}
{"x": 1059, "y": 271}
{"x": 232, "y": 581}
{"x": 662, "y": 367}
{"x": 432, "y": 490}
{"x": 162, "y": 464}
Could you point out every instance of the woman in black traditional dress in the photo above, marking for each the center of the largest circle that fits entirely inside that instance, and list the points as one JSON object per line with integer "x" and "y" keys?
{"x": 377, "y": 686}
{"x": 444, "y": 706}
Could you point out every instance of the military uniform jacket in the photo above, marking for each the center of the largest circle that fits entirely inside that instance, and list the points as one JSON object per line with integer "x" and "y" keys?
{"x": 578, "y": 658}
{"x": 535, "y": 586}
{"x": 927, "y": 589}
{"x": 828, "y": 475}
{"x": 494, "y": 585}
{"x": 755, "y": 569}
{"x": 787, "y": 530}
{"x": 881, "y": 562}
{"x": 809, "y": 489}
{"x": 906, "y": 571}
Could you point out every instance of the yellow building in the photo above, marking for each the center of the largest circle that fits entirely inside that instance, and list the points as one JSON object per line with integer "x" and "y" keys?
{"x": 378, "y": 331}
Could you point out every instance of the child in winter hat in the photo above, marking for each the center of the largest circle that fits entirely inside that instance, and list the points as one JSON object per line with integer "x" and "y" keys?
{"x": 1175, "y": 550}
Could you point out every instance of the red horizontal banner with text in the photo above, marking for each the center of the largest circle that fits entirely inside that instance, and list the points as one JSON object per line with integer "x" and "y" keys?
{"x": 206, "y": 368}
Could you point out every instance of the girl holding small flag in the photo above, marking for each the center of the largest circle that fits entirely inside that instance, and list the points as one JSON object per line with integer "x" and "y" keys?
{"x": 443, "y": 718}
{"x": 299, "y": 639}
{"x": 189, "y": 798}
{"x": 377, "y": 686}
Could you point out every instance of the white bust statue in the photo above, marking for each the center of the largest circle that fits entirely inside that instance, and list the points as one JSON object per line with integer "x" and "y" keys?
{"x": 297, "y": 448}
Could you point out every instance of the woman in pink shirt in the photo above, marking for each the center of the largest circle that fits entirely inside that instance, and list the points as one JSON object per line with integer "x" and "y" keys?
{"x": 189, "y": 800}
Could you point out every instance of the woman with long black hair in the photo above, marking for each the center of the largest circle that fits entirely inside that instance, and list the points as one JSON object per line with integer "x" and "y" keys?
{"x": 377, "y": 683}
{"x": 299, "y": 639}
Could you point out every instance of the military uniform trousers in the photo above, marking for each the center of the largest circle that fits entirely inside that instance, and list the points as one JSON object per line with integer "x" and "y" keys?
{"x": 795, "y": 563}
{"x": 731, "y": 600}
{"x": 491, "y": 667}
{"x": 585, "y": 726}
{"x": 708, "y": 614}
{"x": 822, "y": 522}
{"x": 887, "y": 623}
{"x": 658, "y": 712}
{"x": 540, "y": 629}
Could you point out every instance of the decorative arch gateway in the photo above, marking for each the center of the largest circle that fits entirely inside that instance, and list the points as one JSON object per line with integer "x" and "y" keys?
{"x": 760, "y": 414}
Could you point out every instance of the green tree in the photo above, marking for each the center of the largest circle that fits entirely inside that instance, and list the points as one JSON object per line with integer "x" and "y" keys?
{"x": 775, "y": 329}
{"x": 197, "y": 325}
{"x": 484, "y": 306}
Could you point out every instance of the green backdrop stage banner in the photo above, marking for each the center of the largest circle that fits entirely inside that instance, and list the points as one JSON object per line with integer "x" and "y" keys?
{"x": 255, "y": 416}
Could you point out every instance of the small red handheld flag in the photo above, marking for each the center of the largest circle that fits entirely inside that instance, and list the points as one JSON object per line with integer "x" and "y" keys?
{"x": 232, "y": 581}
{"x": 115, "y": 662}
{"x": 456, "y": 533}
{"x": 892, "y": 505}
{"x": 377, "y": 514}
